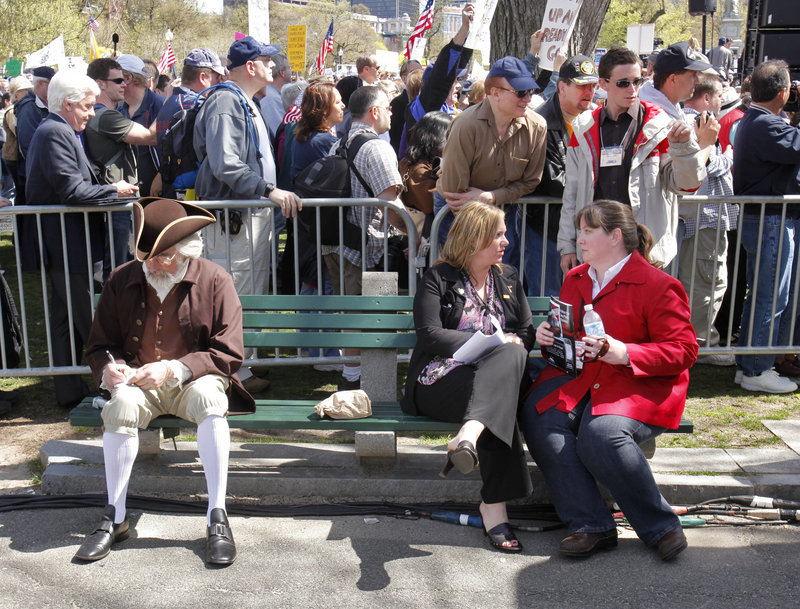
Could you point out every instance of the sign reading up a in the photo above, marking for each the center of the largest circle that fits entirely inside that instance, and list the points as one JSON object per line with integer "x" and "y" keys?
{"x": 296, "y": 50}
{"x": 559, "y": 19}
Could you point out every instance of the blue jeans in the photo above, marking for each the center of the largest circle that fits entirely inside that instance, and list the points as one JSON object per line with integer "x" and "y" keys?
{"x": 121, "y": 226}
{"x": 511, "y": 255}
{"x": 577, "y": 450}
{"x": 534, "y": 246}
{"x": 759, "y": 296}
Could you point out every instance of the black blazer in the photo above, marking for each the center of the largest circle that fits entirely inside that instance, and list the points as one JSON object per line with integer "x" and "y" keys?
{"x": 438, "y": 306}
{"x": 60, "y": 174}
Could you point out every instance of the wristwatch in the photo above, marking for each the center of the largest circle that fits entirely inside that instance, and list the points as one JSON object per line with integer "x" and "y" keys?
{"x": 268, "y": 189}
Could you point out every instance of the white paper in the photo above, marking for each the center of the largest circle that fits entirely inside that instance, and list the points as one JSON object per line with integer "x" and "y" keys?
{"x": 480, "y": 344}
{"x": 418, "y": 50}
{"x": 478, "y": 37}
{"x": 559, "y": 19}
{"x": 640, "y": 38}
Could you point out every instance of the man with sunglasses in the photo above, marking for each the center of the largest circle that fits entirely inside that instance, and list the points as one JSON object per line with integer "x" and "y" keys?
{"x": 629, "y": 151}
{"x": 495, "y": 150}
{"x": 110, "y": 138}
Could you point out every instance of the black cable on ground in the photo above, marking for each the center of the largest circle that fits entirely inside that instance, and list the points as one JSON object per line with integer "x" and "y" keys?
{"x": 10, "y": 503}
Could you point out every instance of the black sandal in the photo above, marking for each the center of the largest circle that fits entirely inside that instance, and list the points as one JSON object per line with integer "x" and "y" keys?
{"x": 501, "y": 535}
{"x": 464, "y": 458}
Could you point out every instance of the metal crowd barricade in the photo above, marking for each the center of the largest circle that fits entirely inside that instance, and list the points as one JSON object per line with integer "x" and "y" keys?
{"x": 36, "y": 343}
{"x": 734, "y": 287}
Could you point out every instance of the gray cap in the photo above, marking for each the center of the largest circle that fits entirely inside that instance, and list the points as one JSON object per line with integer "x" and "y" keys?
{"x": 204, "y": 58}
{"x": 132, "y": 64}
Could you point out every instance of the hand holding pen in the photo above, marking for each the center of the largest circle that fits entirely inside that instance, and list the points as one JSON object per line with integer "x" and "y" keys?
{"x": 114, "y": 373}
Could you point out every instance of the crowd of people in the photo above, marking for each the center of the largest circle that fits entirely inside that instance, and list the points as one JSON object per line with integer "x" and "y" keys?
{"x": 616, "y": 143}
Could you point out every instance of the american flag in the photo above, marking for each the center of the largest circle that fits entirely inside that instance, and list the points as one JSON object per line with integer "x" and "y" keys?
{"x": 167, "y": 59}
{"x": 327, "y": 47}
{"x": 292, "y": 115}
{"x": 93, "y": 24}
{"x": 424, "y": 23}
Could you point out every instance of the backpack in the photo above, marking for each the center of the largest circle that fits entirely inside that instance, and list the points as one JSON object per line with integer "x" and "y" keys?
{"x": 176, "y": 149}
{"x": 329, "y": 178}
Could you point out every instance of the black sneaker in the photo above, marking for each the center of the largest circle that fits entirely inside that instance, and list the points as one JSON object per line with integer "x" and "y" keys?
{"x": 345, "y": 385}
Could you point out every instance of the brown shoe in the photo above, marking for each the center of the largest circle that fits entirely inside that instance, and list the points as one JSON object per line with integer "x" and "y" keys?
{"x": 582, "y": 545}
{"x": 671, "y": 544}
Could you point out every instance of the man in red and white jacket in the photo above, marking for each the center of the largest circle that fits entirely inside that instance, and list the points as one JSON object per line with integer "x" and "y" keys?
{"x": 629, "y": 151}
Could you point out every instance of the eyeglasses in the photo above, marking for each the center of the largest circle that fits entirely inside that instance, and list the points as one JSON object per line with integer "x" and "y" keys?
{"x": 116, "y": 81}
{"x": 387, "y": 108}
{"x": 165, "y": 258}
{"x": 519, "y": 94}
{"x": 624, "y": 83}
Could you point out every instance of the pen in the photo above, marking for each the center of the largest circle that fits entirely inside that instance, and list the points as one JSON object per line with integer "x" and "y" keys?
{"x": 111, "y": 357}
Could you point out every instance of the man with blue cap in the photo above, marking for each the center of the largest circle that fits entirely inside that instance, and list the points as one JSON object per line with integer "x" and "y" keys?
{"x": 233, "y": 147}
{"x": 495, "y": 150}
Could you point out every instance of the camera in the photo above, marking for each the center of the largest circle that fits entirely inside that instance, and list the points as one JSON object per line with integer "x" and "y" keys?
{"x": 793, "y": 105}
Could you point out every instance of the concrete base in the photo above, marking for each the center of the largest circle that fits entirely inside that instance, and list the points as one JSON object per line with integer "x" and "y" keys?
{"x": 314, "y": 473}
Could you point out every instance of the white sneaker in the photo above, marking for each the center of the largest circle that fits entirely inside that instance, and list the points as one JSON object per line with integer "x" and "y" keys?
{"x": 717, "y": 359}
{"x": 769, "y": 381}
{"x": 739, "y": 376}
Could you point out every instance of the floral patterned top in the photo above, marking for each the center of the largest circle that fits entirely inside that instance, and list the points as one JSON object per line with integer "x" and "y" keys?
{"x": 476, "y": 316}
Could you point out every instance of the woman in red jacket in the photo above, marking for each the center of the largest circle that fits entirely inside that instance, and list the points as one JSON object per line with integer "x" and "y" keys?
{"x": 586, "y": 430}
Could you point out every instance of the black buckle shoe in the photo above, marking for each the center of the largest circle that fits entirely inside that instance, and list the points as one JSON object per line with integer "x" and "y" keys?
{"x": 98, "y": 544}
{"x": 220, "y": 547}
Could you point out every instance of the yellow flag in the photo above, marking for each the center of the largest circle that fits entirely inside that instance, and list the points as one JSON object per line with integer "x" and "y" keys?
{"x": 94, "y": 53}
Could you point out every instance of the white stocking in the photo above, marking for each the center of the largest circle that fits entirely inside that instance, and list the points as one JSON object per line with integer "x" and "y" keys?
{"x": 119, "y": 453}
{"x": 214, "y": 445}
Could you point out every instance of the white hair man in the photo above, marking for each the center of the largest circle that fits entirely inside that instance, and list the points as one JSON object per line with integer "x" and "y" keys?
{"x": 167, "y": 339}
{"x": 64, "y": 177}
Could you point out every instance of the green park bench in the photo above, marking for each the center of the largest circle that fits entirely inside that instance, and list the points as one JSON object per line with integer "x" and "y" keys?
{"x": 378, "y": 325}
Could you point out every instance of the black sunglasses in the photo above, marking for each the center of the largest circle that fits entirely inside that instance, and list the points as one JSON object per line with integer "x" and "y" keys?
{"x": 116, "y": 81}
{"x": 519, "y": 94}
{"x": 625, "y": 83}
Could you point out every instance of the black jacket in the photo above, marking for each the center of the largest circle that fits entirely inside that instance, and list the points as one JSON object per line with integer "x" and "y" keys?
{"x": 62, "y": 175}
{"x": 438, "y": 306}
{"x": 555, "y": 166}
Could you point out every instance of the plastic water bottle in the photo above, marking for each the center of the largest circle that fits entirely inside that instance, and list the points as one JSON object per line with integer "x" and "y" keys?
{"x": 592, "y": 324}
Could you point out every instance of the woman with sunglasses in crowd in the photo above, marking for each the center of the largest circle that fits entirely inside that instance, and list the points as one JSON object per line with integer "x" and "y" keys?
{"x": 586, "y": 430}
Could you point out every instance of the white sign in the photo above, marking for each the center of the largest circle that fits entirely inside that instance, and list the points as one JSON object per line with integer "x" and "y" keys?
{"x": 73, "y": 63}
{"x": 389, "y": 61}
{"x": 478, "y": 72}
{"x": 640, "y": 38}
{"x": 418, "y": 50}
{"x": 559, "y": 19}
{"x": 258, "y": 20}
{"x": 49, "y": 55}
{"x": 478, "y": 38}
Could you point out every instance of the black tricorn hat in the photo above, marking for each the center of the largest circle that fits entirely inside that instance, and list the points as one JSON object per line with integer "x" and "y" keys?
{"x": 161, "y": 223}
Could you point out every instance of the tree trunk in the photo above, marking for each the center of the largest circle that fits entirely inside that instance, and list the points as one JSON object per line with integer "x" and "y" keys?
{"x": 515, "y": 21}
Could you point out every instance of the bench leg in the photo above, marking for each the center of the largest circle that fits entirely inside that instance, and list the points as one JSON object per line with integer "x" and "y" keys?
{"x": 149, "y": 441}
{"x": 371, "y": 444}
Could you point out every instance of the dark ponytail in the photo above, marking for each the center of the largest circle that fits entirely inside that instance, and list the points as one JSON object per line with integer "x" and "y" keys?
{"x": 608, "y": 215}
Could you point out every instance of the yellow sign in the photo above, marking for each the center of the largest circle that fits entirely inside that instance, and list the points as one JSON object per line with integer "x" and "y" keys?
{"x": 297, "y": 47}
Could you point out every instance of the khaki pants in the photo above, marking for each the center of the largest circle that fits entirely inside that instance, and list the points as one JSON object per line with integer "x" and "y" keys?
{"x": 705, "y": 279}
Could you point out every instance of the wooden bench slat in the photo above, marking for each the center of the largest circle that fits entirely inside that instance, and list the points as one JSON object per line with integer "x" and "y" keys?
{"x": 299, "y": 414}
{"x": 333, "y": 321}
{"x": 280, "y": 302}
{"x": 345, "y": 340}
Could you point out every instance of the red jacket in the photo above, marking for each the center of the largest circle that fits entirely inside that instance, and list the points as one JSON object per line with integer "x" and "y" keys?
{"x": 648, "y": 311}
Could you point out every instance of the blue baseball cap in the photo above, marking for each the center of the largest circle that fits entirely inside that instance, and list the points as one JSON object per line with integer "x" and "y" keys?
{"x": 247, "y": 49}
{"x": 204, "y": 58}
{"x": 515, "y": 72}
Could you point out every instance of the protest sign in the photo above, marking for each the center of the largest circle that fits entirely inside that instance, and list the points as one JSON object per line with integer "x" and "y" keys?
{"x": 640, "y": 38}
{"x": 478, "y": 38}
{"x": 559, "y": 19}
{"x": 296, "y": 50}
{"x": 49, "y": 55}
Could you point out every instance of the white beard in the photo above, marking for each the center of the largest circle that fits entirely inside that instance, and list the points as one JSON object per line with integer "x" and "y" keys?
{"x": 163, "y": 285}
